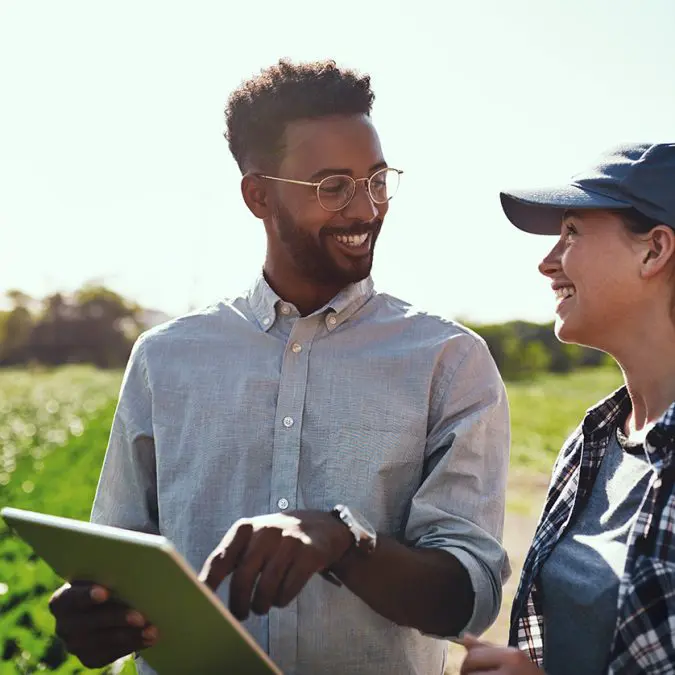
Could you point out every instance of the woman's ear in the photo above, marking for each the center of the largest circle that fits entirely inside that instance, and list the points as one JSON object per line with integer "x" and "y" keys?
{"x": 660, "y": 251}
{"x": 254, "y": 192}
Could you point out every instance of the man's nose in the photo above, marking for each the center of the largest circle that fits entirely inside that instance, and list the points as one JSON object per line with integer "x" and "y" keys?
{"x": 361, "y": 206}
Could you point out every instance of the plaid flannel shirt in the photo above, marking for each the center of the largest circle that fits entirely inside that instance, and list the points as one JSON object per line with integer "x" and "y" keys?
{"x": 644, "y": 635}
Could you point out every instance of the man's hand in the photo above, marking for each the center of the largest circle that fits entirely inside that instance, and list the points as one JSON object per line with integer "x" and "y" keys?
{"x": 483, "y": 657}
{"x": 280, "y": 552}
{"x": 95, "y": 628}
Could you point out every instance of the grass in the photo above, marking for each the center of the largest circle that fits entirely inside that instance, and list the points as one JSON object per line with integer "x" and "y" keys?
{"x": 546, "y": 410}
{"x": 54, "y": 428}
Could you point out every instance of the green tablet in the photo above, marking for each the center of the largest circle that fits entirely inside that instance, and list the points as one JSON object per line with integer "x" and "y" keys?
{"x": 197, "y": 632}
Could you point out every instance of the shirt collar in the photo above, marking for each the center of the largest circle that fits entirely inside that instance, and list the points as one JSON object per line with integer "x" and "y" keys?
{"x": 603, "y": 417}
{"x": 348, "y": 301}
{"x": 662, "y": 434}
{"x": 607, "y": 413}
{"x": 263, "y": 301}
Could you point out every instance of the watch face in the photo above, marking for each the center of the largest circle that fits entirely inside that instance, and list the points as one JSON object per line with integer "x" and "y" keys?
{"x": 361, "y": 522}
{"x": 364, "y": 533}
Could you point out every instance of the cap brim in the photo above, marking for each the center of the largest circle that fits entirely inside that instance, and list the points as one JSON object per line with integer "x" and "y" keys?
{"x": 540, "y": 211}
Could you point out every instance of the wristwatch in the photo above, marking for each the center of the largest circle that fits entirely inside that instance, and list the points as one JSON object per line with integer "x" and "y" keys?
{"x": 363, "y": 532}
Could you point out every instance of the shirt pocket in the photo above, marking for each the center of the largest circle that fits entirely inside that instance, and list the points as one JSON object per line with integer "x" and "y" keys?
{"x": 646, "y": 618}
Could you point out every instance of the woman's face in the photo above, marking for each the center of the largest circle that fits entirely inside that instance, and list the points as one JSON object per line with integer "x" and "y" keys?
{"x": 594, "y": 272}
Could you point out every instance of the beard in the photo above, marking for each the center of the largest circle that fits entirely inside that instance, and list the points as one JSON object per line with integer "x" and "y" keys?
{"x": 313, "y": 256}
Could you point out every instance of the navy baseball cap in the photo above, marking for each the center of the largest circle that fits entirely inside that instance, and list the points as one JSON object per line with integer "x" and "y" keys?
{"x": 637, "y": 175}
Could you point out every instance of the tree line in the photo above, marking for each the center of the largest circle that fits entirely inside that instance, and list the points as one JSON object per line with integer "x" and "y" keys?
{"x": 93, "y": 325}
{"x": 523, "y": 349}
{"x": 96, "y": 325}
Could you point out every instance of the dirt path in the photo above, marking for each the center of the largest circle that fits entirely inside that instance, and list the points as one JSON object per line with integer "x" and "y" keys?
{"x": 525, "y": 498}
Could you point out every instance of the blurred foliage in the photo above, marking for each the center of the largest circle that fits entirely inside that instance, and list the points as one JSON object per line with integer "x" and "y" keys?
{"x": 523, "y": 349}
{"x": 93, "y": 325}
{"x": 54, "y": 427}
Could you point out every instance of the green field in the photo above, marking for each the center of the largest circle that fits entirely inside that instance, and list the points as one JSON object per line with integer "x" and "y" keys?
{"x": 545, "y": 411}
{"x": 53, "y": 432}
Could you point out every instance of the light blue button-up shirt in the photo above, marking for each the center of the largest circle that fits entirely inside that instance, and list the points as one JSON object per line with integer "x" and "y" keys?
{"x": 247, "y": 408}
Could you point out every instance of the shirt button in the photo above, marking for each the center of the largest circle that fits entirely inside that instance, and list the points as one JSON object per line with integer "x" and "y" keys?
{"x": 266, "y": 321}
{"x": 288, "y": 422}
{"x": 332, "y": 320}
{"x": 283, "y": 504}
{"x": 285, "y": 309}
{"x": 297, "y": 347}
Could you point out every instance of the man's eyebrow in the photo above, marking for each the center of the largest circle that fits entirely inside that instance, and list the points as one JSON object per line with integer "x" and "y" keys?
{"x": 323, "y": 173}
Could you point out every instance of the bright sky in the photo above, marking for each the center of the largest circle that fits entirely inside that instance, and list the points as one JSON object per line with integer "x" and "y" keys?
{"x": 113, "y": 166}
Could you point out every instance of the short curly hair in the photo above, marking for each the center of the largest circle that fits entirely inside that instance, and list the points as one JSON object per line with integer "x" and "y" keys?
{"x": 258, "y": 111}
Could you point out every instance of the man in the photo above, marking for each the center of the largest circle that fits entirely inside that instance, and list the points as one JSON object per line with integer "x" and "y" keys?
{"x": 331, "y": 433}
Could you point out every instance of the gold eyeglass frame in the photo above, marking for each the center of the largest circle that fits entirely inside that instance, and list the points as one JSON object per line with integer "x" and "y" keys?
{"x": 339, "y": 175}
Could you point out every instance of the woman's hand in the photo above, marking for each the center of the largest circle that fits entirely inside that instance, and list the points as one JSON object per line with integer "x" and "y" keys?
{"x": 483, "y": 658}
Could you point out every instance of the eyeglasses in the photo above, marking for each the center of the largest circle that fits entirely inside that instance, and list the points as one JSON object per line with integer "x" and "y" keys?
{"x": 335, "y": 192}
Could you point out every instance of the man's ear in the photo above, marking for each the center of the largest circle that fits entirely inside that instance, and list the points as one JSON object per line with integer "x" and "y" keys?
{"x": 254, "y": 192}
{"x": 660, "y": 250}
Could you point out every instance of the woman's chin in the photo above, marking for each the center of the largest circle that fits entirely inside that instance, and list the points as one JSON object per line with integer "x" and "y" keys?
{"x": 576, "y": 333}
{"x": 564, "y": 330}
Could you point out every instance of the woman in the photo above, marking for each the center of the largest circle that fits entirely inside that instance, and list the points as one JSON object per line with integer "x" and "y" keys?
{"x": 597, "y": 592}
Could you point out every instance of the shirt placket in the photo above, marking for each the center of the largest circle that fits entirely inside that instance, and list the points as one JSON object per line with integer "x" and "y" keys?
{"x": 283, "y": 624}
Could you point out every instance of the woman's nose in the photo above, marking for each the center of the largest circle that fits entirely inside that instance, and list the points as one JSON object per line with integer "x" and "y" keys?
{"x": 550, "y": 265}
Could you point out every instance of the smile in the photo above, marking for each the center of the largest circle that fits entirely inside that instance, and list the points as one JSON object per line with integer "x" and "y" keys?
{"x": 352, "y": 240}
{"x": 565, "y": 292}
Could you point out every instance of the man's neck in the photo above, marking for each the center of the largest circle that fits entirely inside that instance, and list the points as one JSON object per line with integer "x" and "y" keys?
{"x": 306, "y": 296}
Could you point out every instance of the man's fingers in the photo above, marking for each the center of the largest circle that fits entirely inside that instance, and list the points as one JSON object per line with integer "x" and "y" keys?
{"x": 226, "y": 556}
{"x": 104, "y": 647}
{"x": 112, "y": 614}
{"x": 76, "y": 597}
{"x": 297, "y": 576}
{"x": 262, "y": 546}
{"x": 273, "y": 575}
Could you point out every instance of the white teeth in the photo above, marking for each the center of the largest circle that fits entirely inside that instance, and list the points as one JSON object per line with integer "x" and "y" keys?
{"x": 352, "y": 239}
{"x": 565, "y": 292}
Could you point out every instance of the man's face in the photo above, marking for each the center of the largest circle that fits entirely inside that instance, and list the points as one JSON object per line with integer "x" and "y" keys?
{"x": 324, "y": 246}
